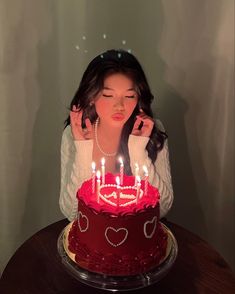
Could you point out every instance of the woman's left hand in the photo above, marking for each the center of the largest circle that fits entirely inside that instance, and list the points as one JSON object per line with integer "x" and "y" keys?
{"x": 147, "y": 126}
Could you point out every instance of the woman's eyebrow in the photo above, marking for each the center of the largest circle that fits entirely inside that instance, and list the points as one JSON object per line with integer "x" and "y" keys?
{"x": 107, "y": 88}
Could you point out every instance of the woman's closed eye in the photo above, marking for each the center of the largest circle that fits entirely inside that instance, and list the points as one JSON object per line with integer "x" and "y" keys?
{"x": 111, "y": 95}
{"x": 130, "y": 96}
{"x": 108, "y": 96}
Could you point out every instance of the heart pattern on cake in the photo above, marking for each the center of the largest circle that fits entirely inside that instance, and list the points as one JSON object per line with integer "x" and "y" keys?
{"x": 116, "y": 237}
{"x": 151, "y": 227}
{"x": 83, "y": 222}
{"x": 114, "y": 202}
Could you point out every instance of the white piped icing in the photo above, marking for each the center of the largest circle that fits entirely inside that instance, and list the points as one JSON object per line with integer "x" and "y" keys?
{"x": 116, "y": 231}
{"x": 154, "y": 220}
{"x": 87, "y": 222}
{"x": 105, "y": 197}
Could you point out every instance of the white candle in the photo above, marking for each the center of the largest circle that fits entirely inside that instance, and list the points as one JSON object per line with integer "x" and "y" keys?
{"x": 146, "y": 178}
{"x": 121, "y": 170}
{"x": 93, "y": 177}
{"x": 103, "y": 170}
{"x": 98, "y": 186}
{"x": 138, "y": 189}
{"x": 118, "y": 190}
{"x": 136, "y": 172}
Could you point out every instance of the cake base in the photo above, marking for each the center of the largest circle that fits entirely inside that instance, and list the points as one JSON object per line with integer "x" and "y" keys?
{"x": 120, "y": 283}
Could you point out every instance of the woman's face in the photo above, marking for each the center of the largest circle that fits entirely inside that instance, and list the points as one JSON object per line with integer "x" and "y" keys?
{"x": 116, "y": 101}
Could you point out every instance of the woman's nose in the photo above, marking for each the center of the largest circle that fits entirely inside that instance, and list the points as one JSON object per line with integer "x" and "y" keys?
{"x": 119, "y": 104}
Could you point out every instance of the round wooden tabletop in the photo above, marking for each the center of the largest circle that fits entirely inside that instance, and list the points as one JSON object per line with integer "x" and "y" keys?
{"x": 36, "y": 267}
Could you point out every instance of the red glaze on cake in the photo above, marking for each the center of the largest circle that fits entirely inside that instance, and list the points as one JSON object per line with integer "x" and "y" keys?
{"x": 117, "y": 240}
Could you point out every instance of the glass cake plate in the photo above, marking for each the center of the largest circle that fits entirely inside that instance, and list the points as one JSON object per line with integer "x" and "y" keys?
{"x": 119, "y": 283}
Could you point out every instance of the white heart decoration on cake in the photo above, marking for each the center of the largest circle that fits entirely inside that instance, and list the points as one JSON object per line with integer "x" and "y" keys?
{"x": 111, "y": 198}
{"x": 152, "y": 222}
{"x": 116, "y": 231}
{"x": 83, "y": 228}
{"x": 105, "y": 199}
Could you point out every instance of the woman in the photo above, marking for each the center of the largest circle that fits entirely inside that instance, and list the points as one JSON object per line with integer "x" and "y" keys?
{"x": 111, "y": 116}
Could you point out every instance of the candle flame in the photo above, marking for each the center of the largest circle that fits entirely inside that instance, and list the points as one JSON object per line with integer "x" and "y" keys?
{"x": 120, "y": 160}
{"x": 138, "y": 179}
{"x": 118, "y": 181}
{"x": 103, "y": 161}
{"x": 93, "y": 165}
{"x": 98, "y": 174}
{"x": 145, "y": 170}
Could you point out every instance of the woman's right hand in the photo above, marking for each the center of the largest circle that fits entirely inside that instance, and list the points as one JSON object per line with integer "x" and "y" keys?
{"x": 76, "y": 125}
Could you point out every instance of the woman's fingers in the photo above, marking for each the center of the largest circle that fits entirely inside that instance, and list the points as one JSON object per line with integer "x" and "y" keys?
{"x": 88, "y": 124}
{"x": 76, "y": 123}
{"x": 78, "y": 132}
{"x": 136, "y": 130}
{"x": 143, "y": 125}
{"x": 76, "y": 115}
{"x": 88, "y": 130}
{"x": 74, "y": 108}
{"x": 137, "y": 123}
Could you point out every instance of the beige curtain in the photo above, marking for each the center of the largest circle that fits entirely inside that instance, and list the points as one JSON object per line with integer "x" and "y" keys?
{"x": 187, "y": 50}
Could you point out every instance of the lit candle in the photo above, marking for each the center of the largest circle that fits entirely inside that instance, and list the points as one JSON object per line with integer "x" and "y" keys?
{"x": 121, "y": 170}
{"x": 146, "y": 178}
{"x": 103, "y": 170}
{"x": 118, "y": 190}
{"x": 93, "y": 177}
{"x": 136, "y": 172}
{"x": 98, "y": 186}
{"x": 138, "y": 188}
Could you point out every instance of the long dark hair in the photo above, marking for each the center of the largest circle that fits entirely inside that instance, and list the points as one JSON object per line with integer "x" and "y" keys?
{"x": 105, "y": 64}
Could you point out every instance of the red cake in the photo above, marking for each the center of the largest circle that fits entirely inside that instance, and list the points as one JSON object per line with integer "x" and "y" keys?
{"x": 117, "y": 231}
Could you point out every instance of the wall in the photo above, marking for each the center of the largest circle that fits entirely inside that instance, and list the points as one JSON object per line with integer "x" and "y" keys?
{"x": 187, "y": 51}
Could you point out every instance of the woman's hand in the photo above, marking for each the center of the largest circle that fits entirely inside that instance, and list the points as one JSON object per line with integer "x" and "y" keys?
{"x": 76, "y": 125}
{"x": 147, "y": 125}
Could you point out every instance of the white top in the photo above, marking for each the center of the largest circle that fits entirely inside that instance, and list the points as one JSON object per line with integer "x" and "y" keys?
{"x": 76, "y": 159}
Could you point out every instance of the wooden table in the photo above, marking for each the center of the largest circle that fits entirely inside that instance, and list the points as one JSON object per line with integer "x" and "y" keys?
{"x": 36, "y": 268}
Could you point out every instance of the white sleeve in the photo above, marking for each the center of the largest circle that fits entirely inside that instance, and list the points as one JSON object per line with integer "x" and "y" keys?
{"x": 159, "y": 172}
{"x": 76, "y": 158}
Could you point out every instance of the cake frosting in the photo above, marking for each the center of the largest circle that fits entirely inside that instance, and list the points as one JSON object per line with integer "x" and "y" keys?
{"x": 117, "y": 229}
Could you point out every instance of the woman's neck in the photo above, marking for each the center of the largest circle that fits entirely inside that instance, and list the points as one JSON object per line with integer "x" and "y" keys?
{"x": 108, "y": 131}
{"x": 107, "y": 140}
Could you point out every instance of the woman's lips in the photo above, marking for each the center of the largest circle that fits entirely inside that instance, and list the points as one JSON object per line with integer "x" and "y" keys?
{"x": 118, "y": 116}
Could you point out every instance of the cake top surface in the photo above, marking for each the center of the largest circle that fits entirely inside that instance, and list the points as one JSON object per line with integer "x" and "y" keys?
{"x": 125, "y": 199}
